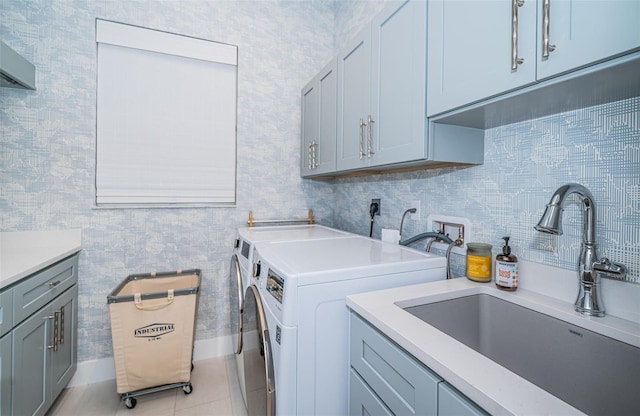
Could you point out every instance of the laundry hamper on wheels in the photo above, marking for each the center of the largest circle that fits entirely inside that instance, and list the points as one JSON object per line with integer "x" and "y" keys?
{"x": 152, "y": 329}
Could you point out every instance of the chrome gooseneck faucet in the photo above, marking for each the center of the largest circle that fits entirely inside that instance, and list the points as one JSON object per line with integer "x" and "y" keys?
{"x": 590, "y": 265}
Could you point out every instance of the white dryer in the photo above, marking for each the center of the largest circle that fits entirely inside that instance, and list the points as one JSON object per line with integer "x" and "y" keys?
{"x": 241, "y": 271}
{"x": 302, "y": 288}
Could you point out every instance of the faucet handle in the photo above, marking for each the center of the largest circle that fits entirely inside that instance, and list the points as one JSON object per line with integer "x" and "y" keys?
{"x": 607, "y": 267}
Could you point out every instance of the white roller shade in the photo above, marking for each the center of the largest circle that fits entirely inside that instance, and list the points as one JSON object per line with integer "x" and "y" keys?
{"x": 166, "y": 121}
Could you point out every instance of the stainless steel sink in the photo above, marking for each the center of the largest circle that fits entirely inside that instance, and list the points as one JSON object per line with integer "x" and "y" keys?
{"x": 592, "y": 372}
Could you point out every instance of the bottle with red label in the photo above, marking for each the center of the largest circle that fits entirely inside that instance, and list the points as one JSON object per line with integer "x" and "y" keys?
{"x": 506, "y": 268}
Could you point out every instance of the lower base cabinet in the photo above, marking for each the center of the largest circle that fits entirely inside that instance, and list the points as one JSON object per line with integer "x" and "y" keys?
{"x": 30, "y": 359}
{"x": 386, "y": 380}
{"x": 38, "y": 354}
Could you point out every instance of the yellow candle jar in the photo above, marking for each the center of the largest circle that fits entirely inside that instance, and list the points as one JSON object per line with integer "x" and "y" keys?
{"x": 479, "y": 262}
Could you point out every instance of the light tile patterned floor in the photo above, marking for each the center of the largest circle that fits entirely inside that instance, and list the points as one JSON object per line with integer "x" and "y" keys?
{"x": 215, "y": 392}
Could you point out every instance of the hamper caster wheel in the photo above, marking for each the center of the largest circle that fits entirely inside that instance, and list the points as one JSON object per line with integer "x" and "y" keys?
{"x": 187, "y": 389}
{"x": 130, "y": 402}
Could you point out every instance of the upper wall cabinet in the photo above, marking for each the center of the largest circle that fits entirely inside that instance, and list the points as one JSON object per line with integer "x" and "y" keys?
{"x": 381, "y": 100}
{"x": 381, "y": 89}
{"x": 318, "y": 151}
{"x": 479, "y": 49}
{"x": 355, "y": 117}
{"x": 576, "y": 33}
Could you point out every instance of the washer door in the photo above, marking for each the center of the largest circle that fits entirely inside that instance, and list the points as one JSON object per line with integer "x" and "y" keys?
{"x": 236, "y": 299}
{"x": 258, "y": 362}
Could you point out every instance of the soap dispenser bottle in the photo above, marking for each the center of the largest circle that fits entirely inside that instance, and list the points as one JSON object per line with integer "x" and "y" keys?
{"x": 506, "y": 268}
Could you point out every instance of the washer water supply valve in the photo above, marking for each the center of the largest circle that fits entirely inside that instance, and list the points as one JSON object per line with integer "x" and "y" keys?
{"x": 456, "y": 228}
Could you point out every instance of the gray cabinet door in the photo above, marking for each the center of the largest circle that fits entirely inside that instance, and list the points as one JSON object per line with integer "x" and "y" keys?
{"x": 470, "y": 51}
{"x": 398, "y": 74}
{"x": 405, "y": 386}
{"x": 5, "y": 374}
{"x": 30, "y": 350}
{"x": 44, "y": 355}
{"x": 63, "y": 356}
{"x": 309, "y": 128}
{"x": 472, "y": 44}
{"x": 354, "y": 92}
{"x": 318, "y": 151}
{"x": 382, "y": 83}
{"x": 362, "y": 401}
{"x": 327, "y": 115}
{"x": 584, "y": 32}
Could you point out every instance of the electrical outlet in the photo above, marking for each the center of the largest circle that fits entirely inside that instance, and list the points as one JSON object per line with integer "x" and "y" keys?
{"x": 377, "y": 201}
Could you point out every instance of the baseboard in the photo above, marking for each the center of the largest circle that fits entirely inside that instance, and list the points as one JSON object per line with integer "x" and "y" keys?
{"x": 103, "y": 369}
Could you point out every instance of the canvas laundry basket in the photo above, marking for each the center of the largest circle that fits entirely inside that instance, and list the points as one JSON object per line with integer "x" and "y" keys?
{"x": 152, "y": 328}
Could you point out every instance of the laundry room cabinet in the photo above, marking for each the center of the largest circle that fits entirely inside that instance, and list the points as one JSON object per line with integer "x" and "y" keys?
{"x": 381, "y": 89}
{"x": 385, "y": 379}
{"x": 41, "y": 352}
{"x": 381, "y": 121}
{"x": 354, "y": 102}
{"x": 318, "y": 150}
{"x": 480, "y": 49}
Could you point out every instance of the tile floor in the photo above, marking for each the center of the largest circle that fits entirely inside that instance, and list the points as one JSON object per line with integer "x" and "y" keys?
{"x": 215, "y": 392}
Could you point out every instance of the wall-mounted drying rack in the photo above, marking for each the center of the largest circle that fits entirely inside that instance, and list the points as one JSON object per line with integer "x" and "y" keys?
{"x": 308, "y": 220}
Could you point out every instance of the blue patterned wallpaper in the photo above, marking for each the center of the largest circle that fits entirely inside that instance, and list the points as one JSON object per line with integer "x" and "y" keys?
{"x": 47, "y": 147}
{"x": 47, "y": 142}
{"x": 524, "y": 164}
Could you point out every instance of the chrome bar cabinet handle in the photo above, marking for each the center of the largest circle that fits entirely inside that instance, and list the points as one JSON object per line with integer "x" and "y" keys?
{"x": 546, "y": 12}
{"x": 515, "y": 61}
{"x": 55, "y": 315}
{"x": 61, "y": 336}
{"x": 362, "y": 125}
{"x": 313, "y": 155}
{"x": 370, "y": 121}
{"x": 314, "y": 160}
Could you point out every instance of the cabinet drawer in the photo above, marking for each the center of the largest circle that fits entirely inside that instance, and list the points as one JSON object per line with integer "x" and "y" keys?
{"x": 40, "y": 288}
{"x": 6, "y": 311}
{"x": 403, "y": 384}
{"x": 362, "y": 400}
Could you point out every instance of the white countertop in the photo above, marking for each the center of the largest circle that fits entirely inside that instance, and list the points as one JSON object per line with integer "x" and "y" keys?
{"x": 479, "y": 378}
{"x": 25, "y": 252}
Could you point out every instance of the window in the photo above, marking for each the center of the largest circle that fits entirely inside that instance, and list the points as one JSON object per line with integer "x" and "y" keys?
{"x": 166, "y": 118}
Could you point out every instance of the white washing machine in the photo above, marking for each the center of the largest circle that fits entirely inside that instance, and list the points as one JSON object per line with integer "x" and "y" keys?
{"x": 302, "y": 288}
{"x": 241, "y": 271}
